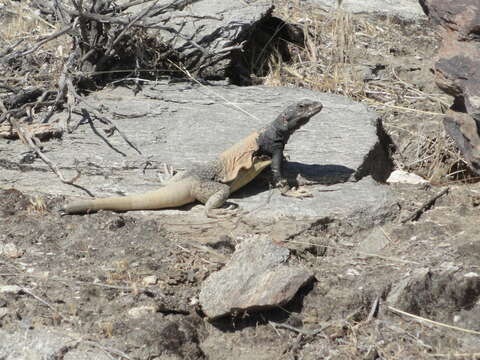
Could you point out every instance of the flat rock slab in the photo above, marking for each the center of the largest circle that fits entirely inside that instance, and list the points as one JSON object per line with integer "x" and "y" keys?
{"x": 256, "y": 278}
{"x": 182, "y": 124}
{"x": 405, "y": 9}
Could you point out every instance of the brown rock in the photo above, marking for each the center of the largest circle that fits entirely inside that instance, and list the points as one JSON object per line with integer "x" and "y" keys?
{"x": 256, "y": 278}
{"x": 458, "y": 70}
{"x": 464, "y": 129}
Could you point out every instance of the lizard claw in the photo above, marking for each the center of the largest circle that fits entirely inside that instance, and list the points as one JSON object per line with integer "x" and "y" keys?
{"x": 299, "y": 193}
{"x": 228, "y": 212}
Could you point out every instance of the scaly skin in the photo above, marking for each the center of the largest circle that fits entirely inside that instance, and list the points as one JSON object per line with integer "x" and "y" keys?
{"x": 213, "y": 182}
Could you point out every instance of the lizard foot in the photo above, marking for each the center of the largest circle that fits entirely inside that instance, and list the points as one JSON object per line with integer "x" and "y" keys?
{"x": 231, "y": 211}
{"x": 168, "y": 174}
{"x": 299, "y": 193}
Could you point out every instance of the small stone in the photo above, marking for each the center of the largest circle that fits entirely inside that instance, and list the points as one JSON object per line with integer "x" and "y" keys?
{"x": 10, "y": 289}
{"x": 352, "y": 272}
{"x": 150, "y": 280}
{"x": 140, "y": 311}
{"x": 3, "y": 312}
{"x": 403, "y": 177}
{"x": 10, "y": 250}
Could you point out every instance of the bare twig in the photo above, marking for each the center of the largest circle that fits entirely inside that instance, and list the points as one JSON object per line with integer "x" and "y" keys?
{"x": 436, "y": 323}
{"x": 10, "y": 48}
{"x": 25, "y": 136}
{"x": 125, "y": 29}
{"x": 388, "y": 258}
{"x": 297, "y": 330}
{"x": 188, "y": 251}
{"x": 222, "y": 259}
{"x": 374, "y": 309}
{"x": 86, "y": 115}
{"x": 457, "y": 355}
{"x": 425, "y": 206}
{"x": 150, "y": 23}
{"x": 62, "y": 87}
{"x": 43, "y": 42}
{"x": 96, "y": 114}
{"x": 106, "y": 349}
{"x": 25, "y": 290}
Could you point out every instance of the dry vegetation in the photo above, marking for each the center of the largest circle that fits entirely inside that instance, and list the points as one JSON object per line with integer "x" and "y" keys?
{"x": 21, "y": 25}
{"x": 370, "y": 60}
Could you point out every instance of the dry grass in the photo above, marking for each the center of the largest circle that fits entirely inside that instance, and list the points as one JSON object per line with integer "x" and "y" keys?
{"x": 20, "y": 22}
{"x": 37, "y": 205}
{"x": 377, "y": 62}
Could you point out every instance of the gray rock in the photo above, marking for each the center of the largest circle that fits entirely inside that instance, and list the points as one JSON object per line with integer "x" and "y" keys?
{"x": 256, "y": 278}
{"x": 214, "y": 26}
{"x": 374, "y": 242}
{"x": 182, "y": 124}
{"x": 404, "y": 293}
{"x": 40, "y": 344}
{"x": 436, "y": 292}
{"x": 405, "y": 9}
{"x": 223, "y": 39}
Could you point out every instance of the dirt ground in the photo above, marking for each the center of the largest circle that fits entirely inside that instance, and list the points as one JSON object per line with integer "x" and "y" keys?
{"x": 130, "y": 282}
{"x": 127, "y": 284}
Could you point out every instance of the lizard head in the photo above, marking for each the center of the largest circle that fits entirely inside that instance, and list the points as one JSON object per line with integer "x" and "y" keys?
{"x": 298, "y": 114}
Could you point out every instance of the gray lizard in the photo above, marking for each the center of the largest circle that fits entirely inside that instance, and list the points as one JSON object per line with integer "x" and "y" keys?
{"x": 212, "y": 183}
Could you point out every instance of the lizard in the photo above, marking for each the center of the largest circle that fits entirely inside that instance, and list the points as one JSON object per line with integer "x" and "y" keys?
{"x": 213, "y": 182}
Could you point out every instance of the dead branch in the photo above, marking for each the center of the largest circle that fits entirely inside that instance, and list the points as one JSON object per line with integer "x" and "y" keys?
{"x": 429, "y": 321}
{"x": 104, "y": 120}
{"x": 26, "y": 96}
{"x": 23, "y": 110}
{"x": 10, "y": 48}
{"x": 298, "y": 330}
{"x": 42, "y": 42}
{"x": 425, "y": 206}
{"x": 26, "y": 291}
{"x": 62, "y": 88}
{"x": 134, "y": 20}
{"x": 28, "y": 139}
{"x": 86, "y": 116}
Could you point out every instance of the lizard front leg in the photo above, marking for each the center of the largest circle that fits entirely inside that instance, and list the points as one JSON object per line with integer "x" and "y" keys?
{"x": 281, "y": 182}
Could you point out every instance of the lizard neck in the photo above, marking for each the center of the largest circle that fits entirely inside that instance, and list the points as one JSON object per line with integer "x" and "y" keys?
{"x": 273, "y": 137}
{"x": 280, "y": 129}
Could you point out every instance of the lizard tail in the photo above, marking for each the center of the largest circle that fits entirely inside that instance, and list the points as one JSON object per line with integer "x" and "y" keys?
{"x": 173, "y": 195}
